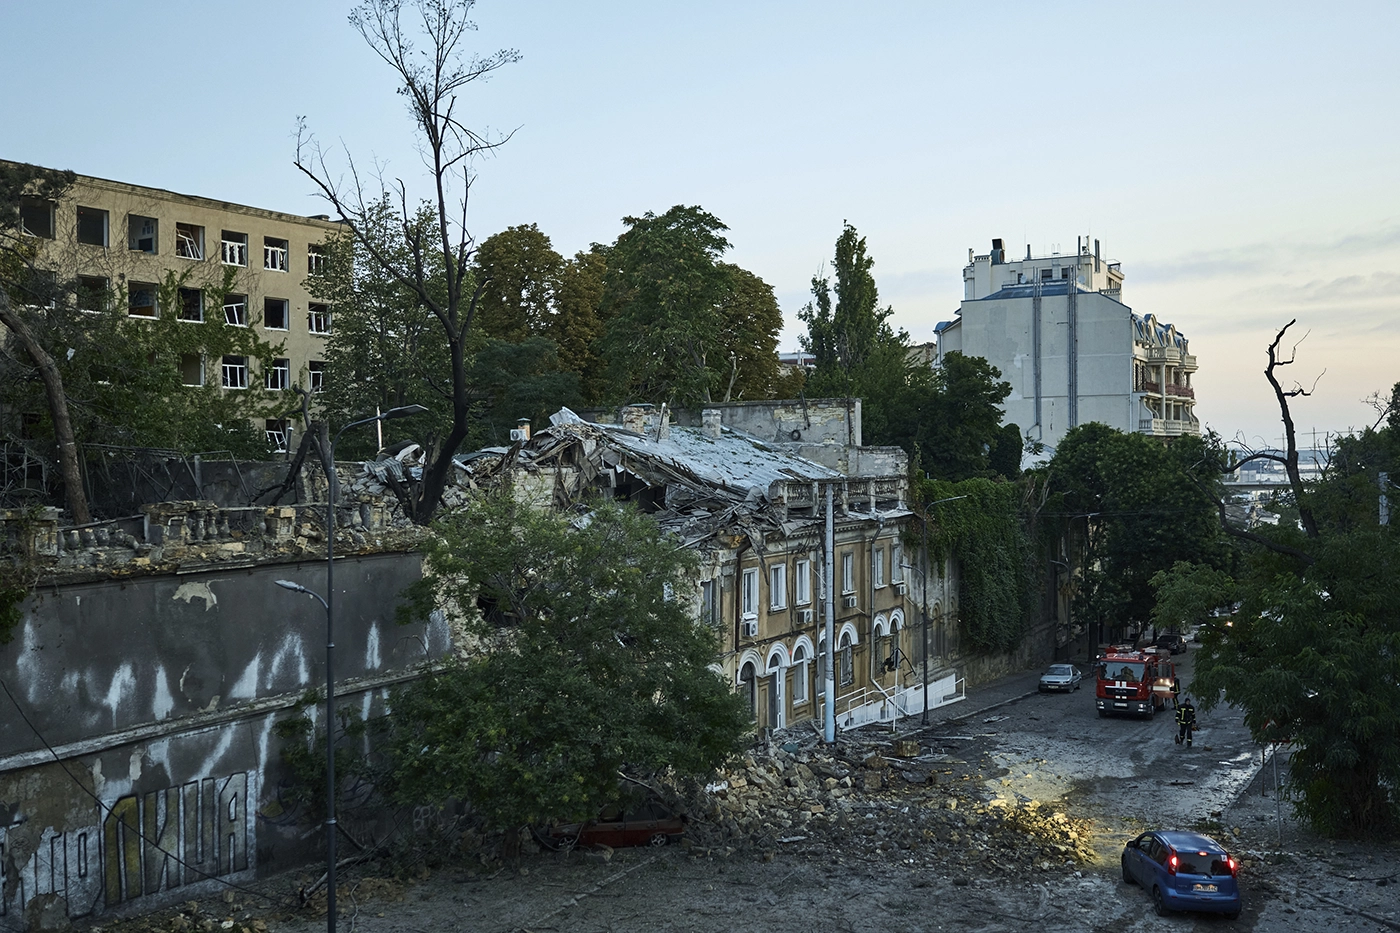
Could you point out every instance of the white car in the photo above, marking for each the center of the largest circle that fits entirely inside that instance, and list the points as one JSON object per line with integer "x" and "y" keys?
{"x": 1064, "y": 677}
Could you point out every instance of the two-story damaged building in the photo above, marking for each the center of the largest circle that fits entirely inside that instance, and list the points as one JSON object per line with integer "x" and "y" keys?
{"x": 754, "y": 504}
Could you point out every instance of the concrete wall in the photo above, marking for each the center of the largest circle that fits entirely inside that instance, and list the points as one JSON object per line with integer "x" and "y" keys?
{"x": 137, "y": 760}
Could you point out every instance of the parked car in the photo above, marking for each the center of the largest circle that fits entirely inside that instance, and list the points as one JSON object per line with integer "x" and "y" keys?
{"x": 1173, "y": 642}
{"x": 1184, "y": 871}
{"x": 1060, "y": 677}
{"x": 645, "y": 826}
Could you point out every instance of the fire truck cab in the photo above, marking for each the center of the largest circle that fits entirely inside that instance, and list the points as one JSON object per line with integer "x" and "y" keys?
{"x": 1133, "y": 681}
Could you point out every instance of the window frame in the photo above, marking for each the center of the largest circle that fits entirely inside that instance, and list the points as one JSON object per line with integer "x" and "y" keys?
{"x": 189, "y": 241}
{"x": 199, "y": 358}
{"x": 278, "y": 376}
{"x": 104, "y": 217}
{"x": 87, "y": 287}
{"x": 848, "y": 573}
{"x": 318, "y": 321}
{"x": 799, "y": 675}
{"x": 133, "y": 240}
{"x": 777, "y": 587}
{"x": 237, "y": 367}
{"x": 239, "y": 317}
{"x": 286, "y": 313}
{"x": 877, "y": 568}
{"x": 135, "y": 288}
{"x": 277, "y": 433}
{"x": 276, "y": 258}
{"x": 748, "y": 599}
{"x": 29, "y": 205}
{"x": 315, "y": 259}
{"x": 802, "y": 583}
{"x": 846, "y": 660}
{"x": 239, "y": 247}
{"x": 316, "y": 375}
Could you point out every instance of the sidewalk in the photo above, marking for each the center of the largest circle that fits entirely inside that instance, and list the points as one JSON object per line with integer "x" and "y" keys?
{"x": 980, "y": 699}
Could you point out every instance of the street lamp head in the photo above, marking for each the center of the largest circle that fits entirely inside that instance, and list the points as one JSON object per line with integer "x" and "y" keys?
{"x": 403, "y": 411}
{"x": 289, "y": 585}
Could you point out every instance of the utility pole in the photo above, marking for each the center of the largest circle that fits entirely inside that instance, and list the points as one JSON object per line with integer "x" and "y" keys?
{"x": 829, "y": 720}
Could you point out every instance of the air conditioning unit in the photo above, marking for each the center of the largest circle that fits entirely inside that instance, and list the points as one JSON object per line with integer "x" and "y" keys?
{"x": 750, "y": 628}
{"x": 519, "y": 434}
{"x": 804, "y": 616}
{"x": 850, "y": 601}
{"x": 899, "y": 587}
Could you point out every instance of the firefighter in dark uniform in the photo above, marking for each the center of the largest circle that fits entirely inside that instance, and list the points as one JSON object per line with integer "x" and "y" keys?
{"x": 1176, "y": 692}
{"x": 1185, "y": 722}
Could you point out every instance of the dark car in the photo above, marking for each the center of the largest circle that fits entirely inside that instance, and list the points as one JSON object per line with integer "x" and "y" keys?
{"x": 644, "y": 826}
{"x": 1183, "y": 871}
{"x": 1173, "y": 642}
{"x": 1064, "y": 677}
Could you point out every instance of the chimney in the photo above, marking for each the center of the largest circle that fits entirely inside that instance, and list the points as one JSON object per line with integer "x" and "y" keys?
{"x": 710, "y": 422}
{"x": 1096, "y": 257}
{"x": 523, "y": 426}
{"x": 634, "y": 418}
{"x": 1028, "y": 251}
{"x": 998, "y": 254}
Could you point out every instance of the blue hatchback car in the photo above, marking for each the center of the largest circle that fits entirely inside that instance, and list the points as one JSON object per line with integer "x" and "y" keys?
{"x": 1184, "y": 871}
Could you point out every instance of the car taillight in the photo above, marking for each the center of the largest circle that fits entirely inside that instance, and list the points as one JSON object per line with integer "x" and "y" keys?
{"x": 1234, "y": 866}
{"x": 1171, "y": 865}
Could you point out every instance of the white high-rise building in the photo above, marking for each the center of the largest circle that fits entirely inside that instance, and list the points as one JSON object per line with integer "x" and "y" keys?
{"x": 1058, "y": 330}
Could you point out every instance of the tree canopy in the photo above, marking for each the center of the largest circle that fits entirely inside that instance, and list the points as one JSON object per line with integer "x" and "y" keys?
{"x": 588, "y": 660}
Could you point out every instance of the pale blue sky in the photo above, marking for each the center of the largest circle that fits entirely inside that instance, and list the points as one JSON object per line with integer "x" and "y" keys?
{"x": 1238, "y": 159}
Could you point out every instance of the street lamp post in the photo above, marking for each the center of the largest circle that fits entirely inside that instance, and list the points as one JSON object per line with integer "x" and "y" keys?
{"x": 329, "y": 602}
{"x": 924, "y": 575}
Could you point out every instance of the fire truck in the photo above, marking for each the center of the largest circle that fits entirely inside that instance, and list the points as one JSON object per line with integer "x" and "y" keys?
{"x": 1135, "y": 681}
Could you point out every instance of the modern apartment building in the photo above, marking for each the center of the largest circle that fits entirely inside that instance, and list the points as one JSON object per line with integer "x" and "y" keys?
{"x": 1058, "y": 330}
{"x": 165, "y": 254}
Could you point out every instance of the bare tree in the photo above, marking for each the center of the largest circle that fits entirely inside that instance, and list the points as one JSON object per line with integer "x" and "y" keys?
{"x": 430, "y": 79}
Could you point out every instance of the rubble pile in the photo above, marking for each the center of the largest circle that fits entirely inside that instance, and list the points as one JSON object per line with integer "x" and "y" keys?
{"x": 857, "y": 799}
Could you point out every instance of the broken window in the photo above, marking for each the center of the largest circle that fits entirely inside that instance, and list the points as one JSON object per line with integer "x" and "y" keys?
{"x": 36, "y": 217}
{"x": 803, "y": 582}
{"x": 192, "y": 369}
{"x": 189, "y": 241}
{"x": 92, "y": 293}
{"x": 277, "y": 434}
{"x": 235, "y": 372}
{"x": 316, "y": 375}
{"x": 275, "y": 313}
{"x": 278, "y": 376}
{"x": 274, "y": 254}
{"x": 236, "y": 310}
{"x": 191, "y": 305}
{"x": 750, "y": 594}
{"x": 234, "y": 247}
{"x": 142, "y": 233}
{"x": 777, "y": 586}
{"x": 141, "y": 299}
{"x": 315, "y": 259}
{"x": 848, "y": 572}
{"x": 318, "y": 319}
{"x": 92, "y": 226}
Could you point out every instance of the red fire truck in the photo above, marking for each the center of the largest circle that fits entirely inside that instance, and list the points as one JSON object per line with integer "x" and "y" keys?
{"x": 1133, "y": 680}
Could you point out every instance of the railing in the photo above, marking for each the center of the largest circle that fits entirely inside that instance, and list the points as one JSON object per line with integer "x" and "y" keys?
{"x": 1181, "y": 391}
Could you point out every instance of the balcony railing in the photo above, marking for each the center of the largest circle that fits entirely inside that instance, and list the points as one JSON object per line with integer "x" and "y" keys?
{"x": 1181, "y": 391}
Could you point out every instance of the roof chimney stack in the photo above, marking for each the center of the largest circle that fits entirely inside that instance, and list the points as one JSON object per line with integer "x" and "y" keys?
{"x": 710, "y": 422}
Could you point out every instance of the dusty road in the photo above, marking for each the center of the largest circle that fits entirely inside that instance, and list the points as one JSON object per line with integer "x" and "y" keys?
{"x": 1123, "y": 775}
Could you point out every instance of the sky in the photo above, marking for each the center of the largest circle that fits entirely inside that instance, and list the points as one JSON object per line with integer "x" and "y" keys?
{"x": 1239, "y": 159}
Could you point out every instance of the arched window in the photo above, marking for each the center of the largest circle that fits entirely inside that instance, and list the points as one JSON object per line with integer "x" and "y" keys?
{"x": 748, "y": 679}
{"x": 847, "y": 667}
{"x": 799, "y": 674}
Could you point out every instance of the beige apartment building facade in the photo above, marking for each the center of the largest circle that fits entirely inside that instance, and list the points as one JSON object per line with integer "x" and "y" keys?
{"x": 244, "y": 265}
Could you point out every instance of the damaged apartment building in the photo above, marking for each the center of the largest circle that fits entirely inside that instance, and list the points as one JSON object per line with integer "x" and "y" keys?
{"x": 747, "y": 485}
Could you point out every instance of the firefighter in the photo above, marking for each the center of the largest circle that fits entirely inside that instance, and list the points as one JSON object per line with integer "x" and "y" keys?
{"x": 1185, "y": 721}
{"x": 1176, "y": 692}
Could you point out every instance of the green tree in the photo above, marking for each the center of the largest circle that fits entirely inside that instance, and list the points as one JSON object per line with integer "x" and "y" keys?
{"x": 1132, "y": 505}
{"x": 522, "y": 274}
{"x": 577, "y": 326}
{"x": 682, "y": 326}
{"x": 585, "y": 663}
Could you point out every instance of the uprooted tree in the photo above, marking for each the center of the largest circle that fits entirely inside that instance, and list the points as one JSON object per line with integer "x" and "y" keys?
{"x": 585, "y": 660}
{"x": 1312, "y": 655}
{"x": 433, "y": 261}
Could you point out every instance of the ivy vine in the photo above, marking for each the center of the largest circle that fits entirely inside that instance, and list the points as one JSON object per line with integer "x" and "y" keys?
{"x": 984, "y": 529}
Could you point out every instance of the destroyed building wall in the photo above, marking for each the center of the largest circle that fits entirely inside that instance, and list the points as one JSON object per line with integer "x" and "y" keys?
{"x": 138, "y": 764}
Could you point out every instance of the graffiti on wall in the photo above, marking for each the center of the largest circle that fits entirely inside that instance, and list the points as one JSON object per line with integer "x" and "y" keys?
{"x": 142, "y": 845}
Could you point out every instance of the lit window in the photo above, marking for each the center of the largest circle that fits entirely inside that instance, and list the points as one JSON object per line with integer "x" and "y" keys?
{"x": 274, "y": 254}
{"x": 192, "y": 369}
{"x": 142, "y": 234}
{"x": 36, "y": 217}
{"x": 848, "y": 573}
{"x": 316, "y": 375}
{"x": 92, "y": 226}
{"x": 141, "y": 300}
{"x": 278, "y": 376}
{"x": 777, "y": 586}
{"x": 191, "y": 305}
{"x": 750, "y": 594}
{"x": 803, "y": 582}
{"x": 235, "y": 372}
{"x": 318, "y": 319}
{"x": 315, "y": 259}
{"x": 236, "y": 310}
{"x": 275, "y": 313}
{"x": 235, "y": 248}
{"x": 189, "y": 241}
